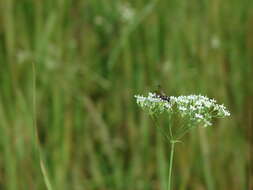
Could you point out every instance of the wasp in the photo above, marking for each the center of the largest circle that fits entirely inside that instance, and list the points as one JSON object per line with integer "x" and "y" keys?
{"x": 160, "y": 94}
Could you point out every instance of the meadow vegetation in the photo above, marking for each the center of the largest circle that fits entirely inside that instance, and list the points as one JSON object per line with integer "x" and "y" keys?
{"x": 91, "y": 57}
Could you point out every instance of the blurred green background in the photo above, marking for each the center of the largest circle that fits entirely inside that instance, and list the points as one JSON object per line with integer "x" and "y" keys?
{"x": 91, "y": 58}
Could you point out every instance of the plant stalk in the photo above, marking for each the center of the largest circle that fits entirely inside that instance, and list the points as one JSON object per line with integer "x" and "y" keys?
{"x": 171, "y": 163}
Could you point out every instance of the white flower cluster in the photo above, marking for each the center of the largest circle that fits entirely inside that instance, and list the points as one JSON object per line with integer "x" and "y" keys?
{"x": 127, "y": 12}
{"x": 153, "y": 104}
{"x": 197, "y": 108}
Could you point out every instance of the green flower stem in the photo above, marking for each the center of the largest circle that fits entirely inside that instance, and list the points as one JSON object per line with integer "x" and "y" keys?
{"x": 171, "y": 162}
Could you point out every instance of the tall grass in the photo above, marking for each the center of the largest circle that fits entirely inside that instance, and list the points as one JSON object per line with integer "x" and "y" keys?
{"x": 91, "y": 57}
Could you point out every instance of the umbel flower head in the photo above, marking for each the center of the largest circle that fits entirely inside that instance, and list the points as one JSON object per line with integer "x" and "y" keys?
{"x": 197, "y": 109}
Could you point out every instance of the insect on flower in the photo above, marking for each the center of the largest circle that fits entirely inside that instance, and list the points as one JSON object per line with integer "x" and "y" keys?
{"x": 160, "y": 94}
{"x": 194, "y": 110}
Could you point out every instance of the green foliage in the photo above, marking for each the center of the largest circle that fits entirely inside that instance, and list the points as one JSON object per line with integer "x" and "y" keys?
{"x": 91, "y": 57}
